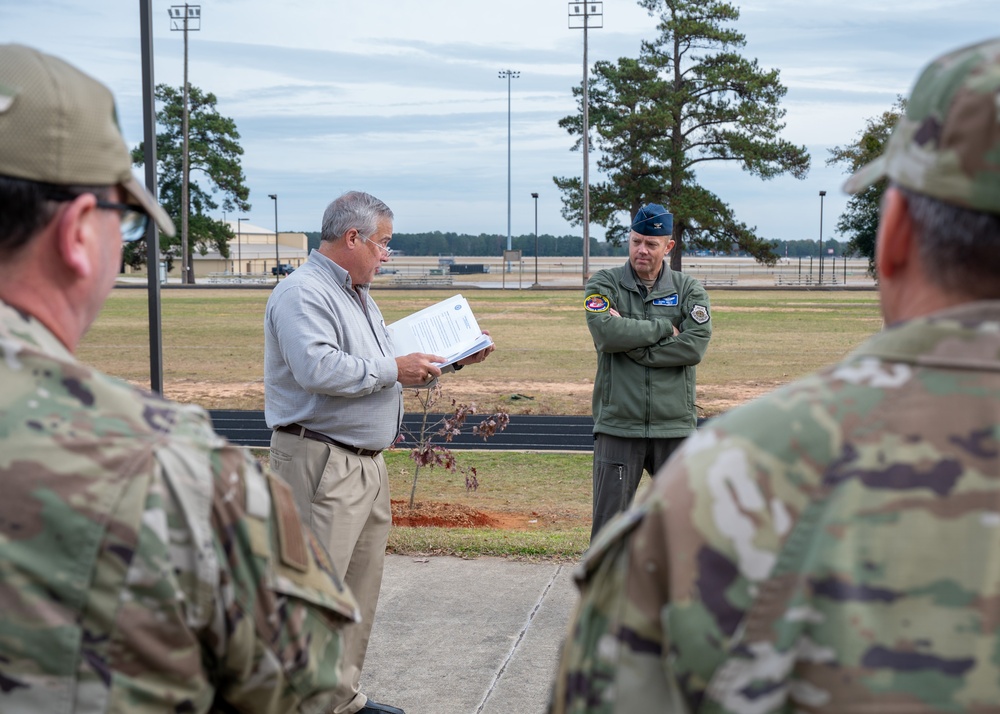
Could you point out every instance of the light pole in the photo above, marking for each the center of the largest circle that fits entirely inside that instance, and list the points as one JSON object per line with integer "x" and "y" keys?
{"x": 277, "y": 260}
{"x": 152, "y": 234}
{"x": 580, "y": 14}
{"x": 181, "y": 17}
{"x": 535, "y": 196}
{"x": 821, "y": 195}
{"x": 509, "y": 74}
{"x": 239, "y": 249}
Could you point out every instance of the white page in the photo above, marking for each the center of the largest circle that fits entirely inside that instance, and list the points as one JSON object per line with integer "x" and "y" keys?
{"x": 448, "y": 329}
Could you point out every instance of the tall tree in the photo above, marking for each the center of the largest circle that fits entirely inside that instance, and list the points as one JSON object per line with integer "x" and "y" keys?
{"x": 859, "y": 221}
{"x": 214, "y": 156}
{"x": 688, "y": 99}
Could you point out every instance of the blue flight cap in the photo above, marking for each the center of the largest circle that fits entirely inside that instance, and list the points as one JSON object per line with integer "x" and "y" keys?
{"x": 653, "y": 220}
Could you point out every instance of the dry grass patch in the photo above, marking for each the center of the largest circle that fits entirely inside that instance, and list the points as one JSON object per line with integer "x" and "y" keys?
{"x": 213, "y": 344}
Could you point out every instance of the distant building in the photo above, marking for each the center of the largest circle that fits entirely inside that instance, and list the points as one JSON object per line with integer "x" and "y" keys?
{"x": 252, "y": 252}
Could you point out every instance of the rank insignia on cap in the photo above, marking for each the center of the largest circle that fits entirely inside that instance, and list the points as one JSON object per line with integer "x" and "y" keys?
{"x": 653, "y": 220}
{"x": 699, "y": 313}
{"x": 596, "y": 303}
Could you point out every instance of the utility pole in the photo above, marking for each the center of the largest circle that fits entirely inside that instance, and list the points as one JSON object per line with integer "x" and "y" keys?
{"x": 535, "y": 196}
{"x": 277, "y": 260}
{"x": 509, "y": 74}
{"x": 821, "y": 195}
{"x": 580, "y": 16}
{"x": 152, "y": 233}
{"x": 239, "y": 248}
{"x": 181, "y": 18}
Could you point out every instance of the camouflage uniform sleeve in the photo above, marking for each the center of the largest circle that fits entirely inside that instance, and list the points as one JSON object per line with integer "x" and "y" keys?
{"x": 616, "y": 657}
{"x": 284, "y": 604}
{"x": 666, "y": 586}
{"x": 261, "y": 594}
{"x": 734, "y": 506}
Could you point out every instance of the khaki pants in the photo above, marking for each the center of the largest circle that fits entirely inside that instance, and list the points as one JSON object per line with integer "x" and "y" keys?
{"x": 344, "y": 498}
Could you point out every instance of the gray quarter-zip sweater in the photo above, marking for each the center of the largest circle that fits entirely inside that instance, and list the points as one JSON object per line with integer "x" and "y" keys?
{"x": 328, "y": 361}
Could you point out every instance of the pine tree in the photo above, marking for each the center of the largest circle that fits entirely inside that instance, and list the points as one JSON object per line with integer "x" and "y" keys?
{"x": 214, "y": 156}
{"x": 689, "y": 98}
{"x": 859, "y": 221}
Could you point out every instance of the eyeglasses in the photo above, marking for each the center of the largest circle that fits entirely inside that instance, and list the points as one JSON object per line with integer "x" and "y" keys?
{"x": 384, "y": 249}
{"x": 134, "y": 220}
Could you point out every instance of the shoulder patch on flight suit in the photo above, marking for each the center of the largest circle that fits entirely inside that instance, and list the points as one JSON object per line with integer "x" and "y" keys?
{"x": 291, "y": 541}
{"x": 597, "y": 303}
{"x": 699, "y": 313}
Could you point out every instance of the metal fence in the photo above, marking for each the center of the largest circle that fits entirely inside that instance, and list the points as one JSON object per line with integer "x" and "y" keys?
{"x": 711, "y": 271}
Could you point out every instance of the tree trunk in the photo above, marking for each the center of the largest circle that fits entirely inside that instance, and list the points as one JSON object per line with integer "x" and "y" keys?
{"x": 675, "y": 254}
{"x": 413, "y": 490}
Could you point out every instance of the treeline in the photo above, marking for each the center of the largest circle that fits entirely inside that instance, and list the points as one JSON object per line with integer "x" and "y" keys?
{"x": 461, "y": 244}
{"x": 567, "y": 246}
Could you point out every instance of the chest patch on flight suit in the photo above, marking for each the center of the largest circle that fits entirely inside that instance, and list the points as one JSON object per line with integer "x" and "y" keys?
{"x": 669, "y": 300}
{"x": 699, "y": 313}
{"x": 596, "y": 303}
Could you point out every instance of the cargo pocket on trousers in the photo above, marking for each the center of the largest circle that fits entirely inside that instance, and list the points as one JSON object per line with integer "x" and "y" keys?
{"x": 611, "y": 482}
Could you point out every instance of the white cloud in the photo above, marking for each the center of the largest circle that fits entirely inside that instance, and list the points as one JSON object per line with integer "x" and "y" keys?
{"x": 403, "y": 99}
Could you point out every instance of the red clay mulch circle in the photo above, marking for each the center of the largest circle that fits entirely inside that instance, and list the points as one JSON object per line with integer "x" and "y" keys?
{"x": 441, "y": 515}
{"x": 454, "y": 515}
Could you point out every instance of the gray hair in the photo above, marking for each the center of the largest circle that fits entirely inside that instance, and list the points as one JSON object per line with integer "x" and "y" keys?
{"x": 959, "y": 247}
{"x": 354, "y": 209}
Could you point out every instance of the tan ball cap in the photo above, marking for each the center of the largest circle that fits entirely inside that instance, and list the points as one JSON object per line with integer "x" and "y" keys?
{"x": 59, "y": 126}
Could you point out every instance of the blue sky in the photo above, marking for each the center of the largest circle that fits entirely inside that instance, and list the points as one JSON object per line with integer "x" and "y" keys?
{"x": 402, "y": 99}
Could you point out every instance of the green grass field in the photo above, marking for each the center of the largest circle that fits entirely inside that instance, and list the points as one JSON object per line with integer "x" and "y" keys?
{"x": 544, "y": 499}
{"x": 213, "y": 356}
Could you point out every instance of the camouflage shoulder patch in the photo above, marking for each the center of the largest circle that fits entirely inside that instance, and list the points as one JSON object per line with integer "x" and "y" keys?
{"x": 322, "y": 558}
{"x": 291, "y": 540}
{"x": 699, "y": 313}
{"x": 597, "y": 303}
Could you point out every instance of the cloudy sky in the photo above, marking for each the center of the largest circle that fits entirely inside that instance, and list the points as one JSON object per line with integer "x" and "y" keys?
{"x": 401, "y": 98}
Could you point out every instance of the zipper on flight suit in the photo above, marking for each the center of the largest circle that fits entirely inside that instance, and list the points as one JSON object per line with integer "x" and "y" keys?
{"x": 648, "y": 378}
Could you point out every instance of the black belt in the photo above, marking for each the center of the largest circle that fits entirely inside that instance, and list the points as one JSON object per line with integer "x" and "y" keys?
{"x": 300, "y": 430}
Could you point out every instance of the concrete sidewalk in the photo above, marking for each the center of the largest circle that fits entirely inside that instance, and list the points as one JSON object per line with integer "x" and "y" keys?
{"x": 457, "y": 636}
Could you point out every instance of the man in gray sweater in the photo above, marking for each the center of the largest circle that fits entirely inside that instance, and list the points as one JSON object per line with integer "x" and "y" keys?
{"x": 333, "y": 394}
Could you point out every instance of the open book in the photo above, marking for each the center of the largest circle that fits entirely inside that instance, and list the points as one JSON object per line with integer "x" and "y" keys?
{"x": 448, "y": 329}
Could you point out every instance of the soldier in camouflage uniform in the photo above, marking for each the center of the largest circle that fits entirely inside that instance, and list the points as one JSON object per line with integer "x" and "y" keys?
{"x": 146, "y": 565}
{"x": 833, "y": 547}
